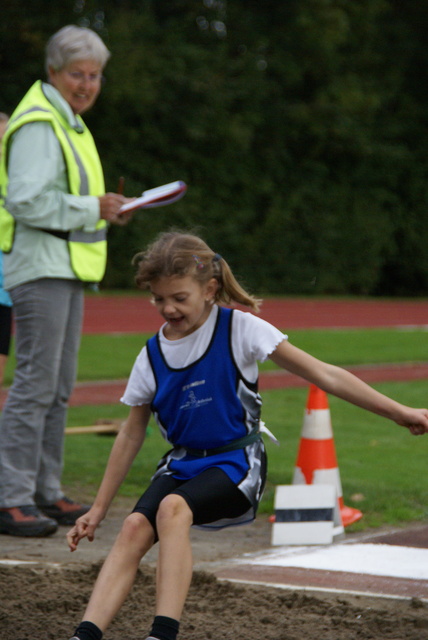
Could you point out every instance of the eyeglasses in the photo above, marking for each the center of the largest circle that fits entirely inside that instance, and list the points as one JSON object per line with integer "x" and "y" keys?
{"x": 92, "y": 78}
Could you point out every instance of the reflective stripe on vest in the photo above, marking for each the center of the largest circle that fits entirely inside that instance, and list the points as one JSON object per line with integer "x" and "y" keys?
{"x": 88, "y": 250}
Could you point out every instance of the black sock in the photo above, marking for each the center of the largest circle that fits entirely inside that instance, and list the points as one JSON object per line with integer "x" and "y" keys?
{"x": 164, "y": 628}
{"x": 88, "y": 631}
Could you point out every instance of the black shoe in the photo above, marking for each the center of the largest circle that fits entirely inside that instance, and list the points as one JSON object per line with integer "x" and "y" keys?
{"x": 64, "y": 511}
{"x": 26, "y": 521}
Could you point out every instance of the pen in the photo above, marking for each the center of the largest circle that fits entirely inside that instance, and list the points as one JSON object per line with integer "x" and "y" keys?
{"x": 120, "y": 185}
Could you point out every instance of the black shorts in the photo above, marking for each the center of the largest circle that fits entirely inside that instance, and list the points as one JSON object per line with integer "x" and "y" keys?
{"x": 5, "y": 329}
{"x": 210, "y": 496}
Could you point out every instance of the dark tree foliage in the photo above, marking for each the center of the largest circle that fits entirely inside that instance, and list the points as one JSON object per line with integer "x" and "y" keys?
{"x": 300, "y": 127}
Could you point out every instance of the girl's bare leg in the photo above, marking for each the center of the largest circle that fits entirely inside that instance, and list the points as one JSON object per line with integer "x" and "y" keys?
{"x": 118, "y": 573}
{"x": 174, "y": 568}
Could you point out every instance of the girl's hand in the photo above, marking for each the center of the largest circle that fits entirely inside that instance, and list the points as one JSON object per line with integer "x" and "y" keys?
{"x": 84, "y": 527}
{"x": 345, "y": 385}
{"x": 415, "y": 420}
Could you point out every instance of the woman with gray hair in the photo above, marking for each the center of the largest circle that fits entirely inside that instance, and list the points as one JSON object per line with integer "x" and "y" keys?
{"x": 53, "y": 235}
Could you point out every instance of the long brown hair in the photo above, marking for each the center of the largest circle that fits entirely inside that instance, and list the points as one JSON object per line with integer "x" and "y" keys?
{"x": 176, "y": 253}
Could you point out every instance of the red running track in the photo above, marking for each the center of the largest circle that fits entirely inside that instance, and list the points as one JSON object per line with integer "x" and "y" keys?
{"x": 110, "y": 391}
{"x": 133, "y": 314}
{"x": 106, "y": 314}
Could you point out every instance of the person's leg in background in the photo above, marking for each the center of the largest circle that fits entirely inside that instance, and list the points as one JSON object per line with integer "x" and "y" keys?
{"x": 49, "y": 494}
{"x": 41, "y": 310}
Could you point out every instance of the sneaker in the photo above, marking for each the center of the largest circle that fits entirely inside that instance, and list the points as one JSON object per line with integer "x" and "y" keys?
{"x": 26, "y": 521}
{"x": 64, "y": 511}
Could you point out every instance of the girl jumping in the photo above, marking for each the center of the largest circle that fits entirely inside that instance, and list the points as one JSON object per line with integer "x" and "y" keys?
{"x": 198, "y": 376}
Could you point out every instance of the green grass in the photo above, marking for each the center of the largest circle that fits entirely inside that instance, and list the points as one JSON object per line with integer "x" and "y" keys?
{"x": 106, "y": 357}
{"x": 377, "y": 459}
{"x": 358, "y": 346}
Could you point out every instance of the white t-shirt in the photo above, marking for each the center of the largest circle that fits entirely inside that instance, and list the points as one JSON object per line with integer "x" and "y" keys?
{"x": 253, "y": 339}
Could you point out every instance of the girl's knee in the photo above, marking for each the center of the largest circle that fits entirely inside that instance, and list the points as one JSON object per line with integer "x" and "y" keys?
{"x": 173, "y": 508}
{"x": 137, "y": 532}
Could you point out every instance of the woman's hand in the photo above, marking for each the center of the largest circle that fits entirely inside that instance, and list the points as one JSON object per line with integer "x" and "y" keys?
{"x": 110, "y": 205}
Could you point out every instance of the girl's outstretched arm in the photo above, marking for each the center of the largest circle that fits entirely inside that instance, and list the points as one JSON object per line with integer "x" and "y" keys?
{"x": 345, "y": 385}
{"x": 127, "y": 444}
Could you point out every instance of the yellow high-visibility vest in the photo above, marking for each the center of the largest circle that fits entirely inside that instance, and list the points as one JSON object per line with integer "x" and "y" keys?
{"x": 88, "y": 250}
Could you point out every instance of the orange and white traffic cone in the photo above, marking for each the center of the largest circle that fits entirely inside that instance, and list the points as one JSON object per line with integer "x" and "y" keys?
{"x": 316, "y": 460}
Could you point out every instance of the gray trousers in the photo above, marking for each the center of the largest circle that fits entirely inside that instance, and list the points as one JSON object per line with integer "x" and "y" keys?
{"x": 48, "y": 320}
